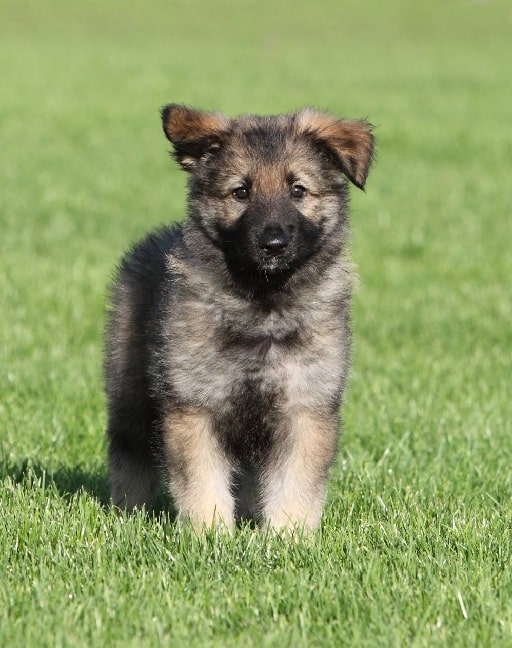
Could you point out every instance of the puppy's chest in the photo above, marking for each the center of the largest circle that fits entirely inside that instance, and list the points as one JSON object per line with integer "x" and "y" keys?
{"x": 239, "y": 355}
{"x": 261, "y": 337}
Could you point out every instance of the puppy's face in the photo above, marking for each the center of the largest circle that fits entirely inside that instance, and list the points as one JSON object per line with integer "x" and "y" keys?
{"x": 269, "y": 190}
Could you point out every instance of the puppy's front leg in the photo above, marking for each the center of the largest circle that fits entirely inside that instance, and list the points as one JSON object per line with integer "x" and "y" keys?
{"x": 295, "y": 479}
{"x": 198, "y": 473}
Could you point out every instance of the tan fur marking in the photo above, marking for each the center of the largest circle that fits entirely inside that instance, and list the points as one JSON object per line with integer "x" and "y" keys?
{"x": 351, "y": 140}
{"x": 295, "y": 487}
{"x": 199, "y": 474}
{"x": 269, "y": 180}
{"x": 183, "y": 123}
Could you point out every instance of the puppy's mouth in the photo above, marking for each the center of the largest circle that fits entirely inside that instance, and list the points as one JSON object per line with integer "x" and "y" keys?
{"x": 273, "y": 264}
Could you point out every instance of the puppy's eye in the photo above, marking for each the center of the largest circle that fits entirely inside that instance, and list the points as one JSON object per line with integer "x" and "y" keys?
{"x": 241, "y": 193}
{"x": 298, "y": 191}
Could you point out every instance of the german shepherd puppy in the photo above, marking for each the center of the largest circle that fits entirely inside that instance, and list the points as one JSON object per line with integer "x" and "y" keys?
{"x": 228, "y": 338}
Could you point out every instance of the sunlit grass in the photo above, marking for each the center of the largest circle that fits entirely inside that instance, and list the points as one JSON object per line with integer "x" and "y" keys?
{"x": 415, "y": 545}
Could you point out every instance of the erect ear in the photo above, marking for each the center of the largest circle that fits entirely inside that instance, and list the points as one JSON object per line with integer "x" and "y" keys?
{"x": 349, "y": 144}
{"x": 194, "y": 134}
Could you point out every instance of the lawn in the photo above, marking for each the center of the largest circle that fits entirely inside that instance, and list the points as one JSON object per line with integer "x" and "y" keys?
{"x": 415, "y": 547}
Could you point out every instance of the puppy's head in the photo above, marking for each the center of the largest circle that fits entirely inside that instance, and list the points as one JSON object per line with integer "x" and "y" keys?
{"x": 270, "y": 191}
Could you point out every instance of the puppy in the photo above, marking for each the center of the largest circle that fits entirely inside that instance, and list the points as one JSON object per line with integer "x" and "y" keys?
{"x": 228, "y": 338}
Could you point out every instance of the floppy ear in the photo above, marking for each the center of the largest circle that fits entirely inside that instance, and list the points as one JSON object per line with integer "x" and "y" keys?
{"x": 349, "y": 144}
{"x": 194, "y": 134}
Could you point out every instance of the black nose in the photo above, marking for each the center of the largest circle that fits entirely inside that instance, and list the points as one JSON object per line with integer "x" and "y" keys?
{"x": 274, "y": 239}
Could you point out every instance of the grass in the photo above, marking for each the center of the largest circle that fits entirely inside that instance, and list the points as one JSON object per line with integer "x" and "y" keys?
{"x": 415, "y": 545}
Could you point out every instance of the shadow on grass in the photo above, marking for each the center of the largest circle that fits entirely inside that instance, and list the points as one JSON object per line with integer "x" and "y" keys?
{"x": 68, "y": 481}
{"x": 65, "y": 480}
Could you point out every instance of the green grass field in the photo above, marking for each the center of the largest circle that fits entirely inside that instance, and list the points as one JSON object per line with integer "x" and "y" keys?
{"x": 415, "y": 547}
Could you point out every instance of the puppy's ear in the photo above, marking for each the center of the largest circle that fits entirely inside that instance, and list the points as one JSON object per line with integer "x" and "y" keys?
{"x": 194, "y": 134}
{"x": 349, "y": 144}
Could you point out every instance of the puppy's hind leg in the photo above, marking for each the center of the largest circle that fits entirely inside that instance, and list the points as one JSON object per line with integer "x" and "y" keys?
{"x": 134, "y": 477}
